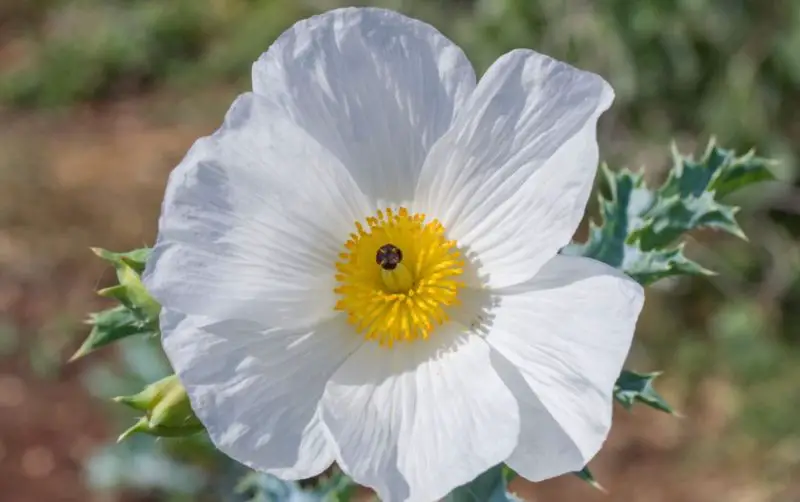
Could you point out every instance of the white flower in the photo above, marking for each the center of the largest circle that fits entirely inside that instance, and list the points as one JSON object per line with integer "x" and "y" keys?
{"x": 361, "y": 264}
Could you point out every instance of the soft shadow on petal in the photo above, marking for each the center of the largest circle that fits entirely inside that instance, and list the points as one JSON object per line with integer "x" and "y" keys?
{"x": 416, "y": 421}
{"x": 257, "y": 390}
{"x": 374, "y": 87}
{"x": 544, "y": 450}
{"x": 511, "y": 179}
{"x": 567, "y": 331}
{"x": 252, "y": 222}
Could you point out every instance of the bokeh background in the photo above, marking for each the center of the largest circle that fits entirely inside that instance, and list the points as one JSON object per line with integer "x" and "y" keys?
{"x": 100, "y": 98}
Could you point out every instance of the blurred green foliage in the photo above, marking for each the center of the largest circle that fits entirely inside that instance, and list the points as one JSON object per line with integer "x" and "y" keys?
{"x": 730, "y": 67}
{"x": 727, "y": 67}
{"x": 93, "y": 49}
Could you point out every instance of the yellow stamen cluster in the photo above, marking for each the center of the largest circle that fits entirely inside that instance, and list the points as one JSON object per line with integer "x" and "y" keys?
{"x": 397, "y": 276}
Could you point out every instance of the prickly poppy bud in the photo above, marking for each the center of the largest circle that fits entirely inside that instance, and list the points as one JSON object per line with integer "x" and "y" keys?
{"x": 131, "y": 292}
{"x": 168, "y": 412}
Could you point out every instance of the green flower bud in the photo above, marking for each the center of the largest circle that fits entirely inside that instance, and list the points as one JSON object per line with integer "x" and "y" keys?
{"x": 174, "y": 409}
{"x": 130, "y": 291}
{"x": 151, "y": 395}
{"x": 168, "y": 412}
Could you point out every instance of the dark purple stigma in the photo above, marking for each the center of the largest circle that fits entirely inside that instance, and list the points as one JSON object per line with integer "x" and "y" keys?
{"x": 388, "y": 256}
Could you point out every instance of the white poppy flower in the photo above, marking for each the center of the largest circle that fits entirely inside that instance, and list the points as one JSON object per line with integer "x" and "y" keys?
{"x": 360, "y": 266}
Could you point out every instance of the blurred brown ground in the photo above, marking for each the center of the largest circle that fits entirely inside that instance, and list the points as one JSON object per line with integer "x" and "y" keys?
{"x": 88, "y": 177}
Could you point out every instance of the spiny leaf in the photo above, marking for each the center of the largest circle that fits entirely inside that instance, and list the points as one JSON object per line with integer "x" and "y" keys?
{"x": 262, "y": 487}
{"x": 674, "y": 216}
{"x": 491, "y": 486}
{"x": 720, "y": 170}
{"x": 640, "y": 225}
{"x": 742, "y": 171}
{"x": 337, "y": 488}
{"x": 632, "y": 387}
{"x": 111, "y": 325}
{"x": 649, "y": 267}
{"x": 586, "y": 475}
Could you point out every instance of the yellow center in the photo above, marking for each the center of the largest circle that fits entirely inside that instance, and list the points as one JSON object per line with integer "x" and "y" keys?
{"x": 397, "y": 276}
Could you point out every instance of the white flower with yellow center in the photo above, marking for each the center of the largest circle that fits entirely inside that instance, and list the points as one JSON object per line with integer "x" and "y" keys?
{"x": 361, "y": 265}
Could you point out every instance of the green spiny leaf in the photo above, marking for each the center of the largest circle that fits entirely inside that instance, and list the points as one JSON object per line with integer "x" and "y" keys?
{"x": 491, "y": 486}
{"x": 586, "y": 475}
{"x": 640, "y": 225}
{"x": 674, "y": 216}
{"x": 632, "y": 387}
{"x": 508, "y": 473}
{"x": 719, "y": 170}
{"x": 262, "y": 487}
{"x": 338, "y": 488}
{"x": 688, "y": 198}
{"x": 651, "y": 266}
{"x": 111, "y": 325}
{"x": 629, "y": 197}
{"x": 743, "y": 171}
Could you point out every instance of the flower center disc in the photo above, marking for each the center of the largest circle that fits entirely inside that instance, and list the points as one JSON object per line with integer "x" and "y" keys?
{"x": 397, "y": 276}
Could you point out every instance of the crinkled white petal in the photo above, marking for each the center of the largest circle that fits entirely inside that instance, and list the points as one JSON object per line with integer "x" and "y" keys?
{"x": 416, "y": 421}
{"x": 252, "y": 221}
{"x": 511, "y": 179}
{"x": 257, "y": 390}
{"x": 374, "y": 87}
{"x": 566, "y": 333}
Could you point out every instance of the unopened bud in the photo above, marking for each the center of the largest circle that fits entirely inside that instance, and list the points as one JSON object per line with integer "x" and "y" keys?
{"x": 168, "y": 412}
{"x": 151, "y": 395}
{"x": 131, "y": 291}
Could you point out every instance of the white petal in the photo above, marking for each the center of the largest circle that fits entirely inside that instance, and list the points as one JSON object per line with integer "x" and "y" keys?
{"x": 374, "y": 87}
{"x": 416, "y": 421}
{"x": 252, "y": 222}
{"x": 568, "y": 332}
{"x": 511, "y": 179}
{"x": 257, "y": 390}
